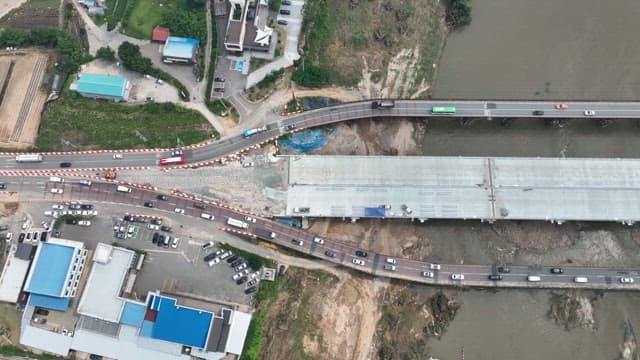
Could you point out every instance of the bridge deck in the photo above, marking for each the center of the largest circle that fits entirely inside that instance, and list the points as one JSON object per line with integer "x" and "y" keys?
{"x": 466, "y": 187}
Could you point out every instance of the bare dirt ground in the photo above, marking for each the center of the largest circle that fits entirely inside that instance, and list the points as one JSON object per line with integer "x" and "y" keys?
{"x": 23, "y": 101}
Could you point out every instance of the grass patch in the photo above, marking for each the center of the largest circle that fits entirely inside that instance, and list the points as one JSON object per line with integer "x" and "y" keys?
{"x": 257, "y": 63}
{"x": 223, "y": 108}
{"x": 41, "y": 4}
{"x": 256, "y": 262}
{"x": 75, "y": 123}
{"x": 143, "y": 17}
{"x": 266, "y": 296}
{"x": 265, "y": 86}
{"x": 11, "y": 350}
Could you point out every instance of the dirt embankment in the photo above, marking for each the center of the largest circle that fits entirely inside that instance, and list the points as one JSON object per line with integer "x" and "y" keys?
{"x": 629, "y": 348}
{"x": 572, "y": 310}
{"x": 320, "y": 316}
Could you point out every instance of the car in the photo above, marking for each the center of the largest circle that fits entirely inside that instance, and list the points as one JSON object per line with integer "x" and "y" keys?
{"x": 318, "y": 240}
{"x": 57, "y": 234}
{"x": 384, "y": 206}
{"x": 160, "y": 240}
{"x": 38, "y": 320}
{"x": 21, "y": 237}
{"x": 51, "y": 213}
{"x": 159, "y": 81}
{"x": 95, "y": 357}
{"x": 626, "y": 280}
{"x": 118, "y": 156}
{"x": 330, "y": 253}
{"x": 241, "y": 266}
{"x": 242, "y": 280}
{"x": 174, "y": 243}
{"x": 154, "y": 239}
{"x": 57, "y": 206}
{"x": 226, "y": 255}
{"x": 141, "y": 220}
{"x": 435, "y": 266}
{"x": 4, "y": 227}
{"x": 247, "y": 164}
{"x": 148, "y": 99}
{"x": 8, "y": 237}
{"x": 86, "y": 206}
{"x": 74, "y": 207}
{"x": 3, "y": 186}
{"x": 457, "y": 276}
{"x": 214, "y": 261}
{"x": 251, "y": 290}
{"x": 389, "y": 267}
{"x": 218, "y": 89}
{"x": 199, "y": 206}
{"x": 537, "y": 112}
{"x": 290, "y": 127}
{"x": 43, "y": 236}
{"x": 495, "y": 277}
{"x": 252, "y": 282}
{"x": 43, "y": 312}
{"x": 285, "y": 12}
{"x": 235, "y": 262}
{"x": 361, "y": 253}
{"x": 286, "y": 2}
{"x": 562, "y": 106}
{"x": 148, "y": 204}
{"x": 65, "y": 164}
{"x": 504, "y": 269}
{"x": 178, "y": 211}
{"x": 297, "y": 242}
{"x": 205, "y": 246}
{"x": 153, "y": 227}
{"x": 428, "y": 274}
{"x": 406, "y": 209}
{"x": 129, "y": 218}
{"x": 170, "y": 229}
{"x": 282, "y": 22}
{"x": 556, "y": 270}
{"x": 162, "y": 197}
{"x": 176, "y": 152}
{"x": 209, "y": 257}
{"x": 249, "y": 219}
{"x": 231, "y": 259}
{"x": 358, "y": 262}
{"x": 219, "y": 79}
{"x": 56, "y": 191}
{"x": 219, "y": 252}
{"x": 301, "y": 209}
{"x": 589, "y": 113}
{"x": 156, "y": 221}
{"x": 391, "y": 261}
{"x": 237, "y": 276}
{"x": 85, "y": 182}
{"x": 28, "y": 236}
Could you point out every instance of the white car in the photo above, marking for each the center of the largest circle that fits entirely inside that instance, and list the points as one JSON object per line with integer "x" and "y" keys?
{"x": 179, "y": 211}
{"x": 589, "y": 113}
{"x": 428, "y": 274}
{"x": 434, "y": 266}
{"x": 358, "y": 262}
{"x": 626, "y": 280}
{"x": 237, "y": 276}
{"x": 225, "y": 255}
{"x": 86, "y": 213}
{"x": 249, "y": 219}
{"x": 8, "y": 237}
{"x": 153, "y": 227}
{"x": 318, "y": 240}
{"x": 51, "y": 213}
{"x": 214, "y": 261}
{"x": 57, "y": 207}
{"x": 118, "y": 157}
{"x": 241, "y": 266}
{"x": 457, "y": 276}
{"x": 56, "y": 191}
{"x": 84, "y": 223}
{"x": 175, "y": 242}
{"x": 247, "y": 164}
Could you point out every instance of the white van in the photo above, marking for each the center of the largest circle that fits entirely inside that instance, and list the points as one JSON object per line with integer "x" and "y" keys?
{"x": 123, "y": 189}
{"x": 56, "y": 179}
{"x": 533, "y": 278}
{"x": 580, "y": 279}
{"x": 207, "y": 216}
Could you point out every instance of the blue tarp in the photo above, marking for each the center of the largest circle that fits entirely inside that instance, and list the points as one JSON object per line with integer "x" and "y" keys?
{"x": 49, "y": 302}
{"x": 374, "y": 212}
{"x": 308, "y": 140}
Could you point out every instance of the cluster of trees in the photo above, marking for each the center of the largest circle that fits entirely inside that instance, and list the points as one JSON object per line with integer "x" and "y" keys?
{"x": 458, "y": 13}
{"x": 133, "y": 60}
{"x": 310, "y": 75}
{"x": 106, "y": 53}
{"x": 66, "y": 44}
{"x": 186, "y": 23}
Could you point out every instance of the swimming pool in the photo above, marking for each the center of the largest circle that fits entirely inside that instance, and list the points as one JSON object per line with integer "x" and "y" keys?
{"x": 239, "y": 65}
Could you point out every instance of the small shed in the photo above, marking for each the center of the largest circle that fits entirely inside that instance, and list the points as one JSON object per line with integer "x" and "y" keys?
{"x": 160, "y": 34}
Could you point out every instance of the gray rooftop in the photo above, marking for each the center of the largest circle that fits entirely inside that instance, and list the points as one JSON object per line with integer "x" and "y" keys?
{"x": 466, "y": 187}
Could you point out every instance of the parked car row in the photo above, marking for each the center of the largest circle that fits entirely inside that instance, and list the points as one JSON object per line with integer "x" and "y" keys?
{"x": 243, "y": 274}
{"x": 162, "y": 240}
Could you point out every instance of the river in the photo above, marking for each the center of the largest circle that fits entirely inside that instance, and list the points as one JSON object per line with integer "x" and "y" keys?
{"x": 545, "y": 49}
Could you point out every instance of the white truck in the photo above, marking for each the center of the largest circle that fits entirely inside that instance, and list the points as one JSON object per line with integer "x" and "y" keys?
{"x": 29, "y": 158}
{"x": 237, "y": 223}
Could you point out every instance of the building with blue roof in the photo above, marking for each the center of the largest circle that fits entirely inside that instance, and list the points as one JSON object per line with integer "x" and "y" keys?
{"x": 107, "y": 87}
{"x": 181, "y": 50}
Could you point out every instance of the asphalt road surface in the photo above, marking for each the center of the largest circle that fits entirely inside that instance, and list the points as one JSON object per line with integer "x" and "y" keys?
{"x": 344, "y": 254}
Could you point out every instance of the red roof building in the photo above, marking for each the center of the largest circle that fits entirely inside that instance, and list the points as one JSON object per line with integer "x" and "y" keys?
{"x": 160, "y": 34}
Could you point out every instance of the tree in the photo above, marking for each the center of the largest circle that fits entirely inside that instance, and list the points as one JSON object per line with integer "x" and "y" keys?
{"x": 44, "y": 36}
{"x": 458, "y": 13}
{"x": 186, "y": 23}
{"x": 106, "y": 53}
{"x": 13, "y": 37}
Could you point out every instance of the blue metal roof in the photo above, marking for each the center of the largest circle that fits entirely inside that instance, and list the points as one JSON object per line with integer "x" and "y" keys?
{"x": 50, "y": 274}
{"x": 374, "y": 212}
{"x": 102, "y": 85}
{"x": 133, "y": 314}
{"x": 49, "y": 302}
{"x": 181, "y": 325}
{"x": 179, "y": 47}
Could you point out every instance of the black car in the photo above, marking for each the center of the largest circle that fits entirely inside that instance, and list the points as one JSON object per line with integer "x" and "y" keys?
{"x": 242, "y": 280}
{"x": 495, "y": 277}
{"x": 4, "y": 227}
{"x": 160, "y": 240}
{"x": 285, "y": 12}
{"x": 282, "y": 22}
{"x": 95, "y": 357}
{"x": 148, "y": 204}
{"x": 290, "y": 127}
{"x": 219, "y": 79}
{"x": 297, "y": 242}
{"x": 218, "y": 89}
{"x": 43, "y": 236}
{"x": 251, "y": 290}
{"x": 3, "y": 186}
{"x": 330, "y": 253}
{"x": 65, "y": 164}
{"x": 252, "y": 283}
{"x": 71, "y": 221}
{"x": 198, "y": 206}
{"x": 162, "y": 197}
{"x": 154, "y": 239}
{"x": 141, "y": 220}
{"x": 21, "y": 237}
{"x": 538, "y": 112}
{"x": 557, "y": 270}
{"x": 166, "y": 228}
{"x": 129, "y": 218}
{"x": 504, "y": 269}
{"x": 231, "y": 259}
{"x": 43, "y": 312}
{"x": 236, "y": 263}
{"x": 361, "y": 253}
{"x": 209, "y": 257}
{"x": 75, "y": 207}
{"x": 156, "y": 221}
{"x": 86, "y": 206}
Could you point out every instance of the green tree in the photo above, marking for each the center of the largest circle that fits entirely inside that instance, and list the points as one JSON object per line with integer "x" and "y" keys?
{"x": 44, "y": 36}
{"x": 70, "y": 50}
{"x": 458, "y": 13}
{"x": 186, "y": 23}
{"x": 312, "y": 75}
{"x": 106, "y": 53}
{"x": 13, "y": 37}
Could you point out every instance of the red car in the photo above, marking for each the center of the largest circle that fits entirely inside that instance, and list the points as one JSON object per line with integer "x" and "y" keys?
{"x": 562, "y": 106}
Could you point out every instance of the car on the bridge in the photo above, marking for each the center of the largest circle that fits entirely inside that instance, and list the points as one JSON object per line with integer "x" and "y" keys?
{"x": 3, "y": 186}
{"x": 358, "y": 262}
{"x": 504, "y": 269}
{"x": 177, "y": 152}
{"x": 65, "y": 164}
{"x": 290, "y": 127}
{"x": 580, "y": 279}
{"x": 457, "y": 276}
{"x": 318, "y": 240}
{"x": 556, "y": 270}
{"x": 249, "y": 219}
{"x": 247, "y": 164}
{"x": 537, "y": 112}
{"x": 390, "y": 260}
{"x": 389, "y": 267}
{"x": 626, "y": 280}
{"x": 495, "y": 277}
{"x": 361, "y": 253}
{"x": 562, "y": 106}
{"x": 162, "y": 197}
{"x": 297, "y": 242}
{"x": 435, "y": 266}
{"x": 589, "y": 113}
{"x": 85, "y": 182}
{"x": 178, "y": 211}
{"x": 330, "y": 253}
{"x": 118, "y": 156}
{"x": 148, "y": 204}
{"x": 428, "y": 274}
{"x": 56, "y": 191}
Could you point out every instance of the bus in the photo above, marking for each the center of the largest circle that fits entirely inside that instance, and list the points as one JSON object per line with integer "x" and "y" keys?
{"x": 175, "y": 160}
{"x": 443, "y": 110}
{"x": 237, "y": 223}
{"x": 29, "y": 158}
